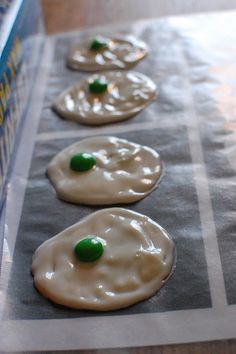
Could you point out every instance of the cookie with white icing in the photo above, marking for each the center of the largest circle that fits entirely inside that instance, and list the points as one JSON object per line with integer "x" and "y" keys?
{"x": 102, "y": 53}
{"x": 109, "y": 260}
{"x": 105, "y": 171}
{"x": 106, "y": 98}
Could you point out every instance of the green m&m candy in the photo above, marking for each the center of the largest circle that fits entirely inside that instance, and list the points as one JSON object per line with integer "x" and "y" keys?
{"x": 99, "y": 43}
{"x": 82, "y": 162}
{"x": 89, "y": 249}
{"x": 98, "y": 86}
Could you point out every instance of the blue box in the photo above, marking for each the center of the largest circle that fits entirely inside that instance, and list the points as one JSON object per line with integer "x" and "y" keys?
{"x": 21, "y": 29}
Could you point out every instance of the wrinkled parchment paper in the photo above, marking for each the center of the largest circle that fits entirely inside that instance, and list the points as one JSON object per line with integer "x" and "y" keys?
{"x": 192, "y": 125}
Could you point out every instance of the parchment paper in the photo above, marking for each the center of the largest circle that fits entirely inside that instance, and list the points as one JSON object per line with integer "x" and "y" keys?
{"x": 192, "y": 125}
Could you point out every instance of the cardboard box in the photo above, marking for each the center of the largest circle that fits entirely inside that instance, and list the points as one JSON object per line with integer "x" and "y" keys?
{"x": 21, "y": 29}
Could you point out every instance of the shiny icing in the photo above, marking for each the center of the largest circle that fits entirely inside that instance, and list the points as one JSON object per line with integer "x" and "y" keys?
{"x": 124, "y": 172}
{"x": 127, "y": 94}
{"x": 122, "y": 53}
{"x": 137, "y": 260}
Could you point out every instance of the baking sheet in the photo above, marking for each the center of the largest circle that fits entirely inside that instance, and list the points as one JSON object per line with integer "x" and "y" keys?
{"x": 192, "y": 125}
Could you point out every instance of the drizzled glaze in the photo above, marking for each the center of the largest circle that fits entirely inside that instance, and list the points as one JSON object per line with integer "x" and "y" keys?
{"x": 122, "y": 53}
{"x": 127, "y": 94}
{"x": 137, "y": 260}
{"x": 124, "y": 172}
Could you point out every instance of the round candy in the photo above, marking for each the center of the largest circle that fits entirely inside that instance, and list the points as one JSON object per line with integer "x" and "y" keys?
{"x": 89, "y": 249}
{"x": 98, "y": 86}
{"x": 82, "y": 162}
{"x": 99, "y": 43}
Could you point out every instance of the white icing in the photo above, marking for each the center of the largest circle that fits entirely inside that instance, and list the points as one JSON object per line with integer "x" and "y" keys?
{"x": 124, "y": 172}
{"x": 127, "y": 94}
{"x": 138, "y": 257}
{"x": 122, "y": 53}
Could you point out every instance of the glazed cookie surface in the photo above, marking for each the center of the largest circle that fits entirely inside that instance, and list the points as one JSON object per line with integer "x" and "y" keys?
{"x": 102, "y": 53}
{"x": 136, "y": 259}
{"x": 105, "y": 171}
{"x": 106, "y": 98}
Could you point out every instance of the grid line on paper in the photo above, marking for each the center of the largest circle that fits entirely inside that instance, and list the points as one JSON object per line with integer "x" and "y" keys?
{"x": 97, "y": 131}
{"x": 215, "y": 272}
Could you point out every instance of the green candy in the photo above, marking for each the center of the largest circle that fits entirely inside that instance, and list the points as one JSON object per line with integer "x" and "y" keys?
{"x": 99, "y": 43}
{"x": 98, "y": 86}
{"x": 89, "y": 249}
{"x": 82, "y": 162}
